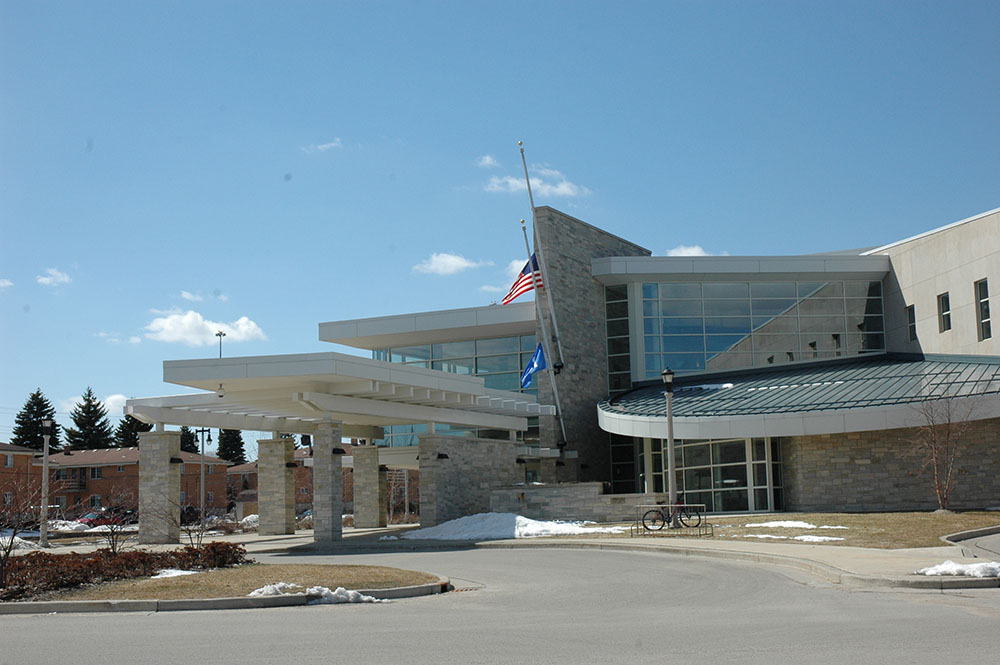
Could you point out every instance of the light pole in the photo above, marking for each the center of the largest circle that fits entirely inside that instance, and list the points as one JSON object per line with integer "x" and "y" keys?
{"x": 43, "y": 527}
{"x": 200, "y": 433}
{"x": 220, "y": 335}
{"x": 668, "y": 382}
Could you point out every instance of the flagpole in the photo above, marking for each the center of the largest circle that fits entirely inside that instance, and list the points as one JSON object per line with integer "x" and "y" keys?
{"x": 545, "y": 334}
{"x": 541, "y": 258}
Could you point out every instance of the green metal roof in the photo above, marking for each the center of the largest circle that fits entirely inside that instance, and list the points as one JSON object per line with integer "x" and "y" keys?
{"x": 862, "y": 382}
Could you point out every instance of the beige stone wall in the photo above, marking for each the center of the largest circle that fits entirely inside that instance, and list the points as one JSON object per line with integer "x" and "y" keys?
{"x": 461, "y": 484}
{"x": 369, "y": 488}
{"x": 159, "y": 487}
{"x": 571, "y": 501}
{"x": 950, "y": 260}
{"x": 875, "y": 471}
{"x": 276, "y": 486}
{"x": 328, "y": 503}
{"x": 568, "y": 245}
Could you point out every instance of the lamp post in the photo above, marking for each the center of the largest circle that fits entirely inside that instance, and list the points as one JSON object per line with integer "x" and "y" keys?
{"x": 200, "y": 433}
{"x": 668, "y": 382}
{"x": 43, "y": 527}
{"x": 220, "y": 335}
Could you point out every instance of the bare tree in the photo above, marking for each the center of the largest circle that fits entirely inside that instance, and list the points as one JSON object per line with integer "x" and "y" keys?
{"x": 18, "y": 513}
{"x": 120, "y": 515}
{"x": 940, "y": 438}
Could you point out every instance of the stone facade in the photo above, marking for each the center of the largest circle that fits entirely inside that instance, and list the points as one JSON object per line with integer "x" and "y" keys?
{"x": 567, "y": 246}
{"x": 571, "y": 501}
{"x": 159, "y": 487}
{"x": 276, "y": 488}
{"x": 877, "y": 471}
{"x": 370, "y": 502}
{"x": 460, "y": 484}
{"x": 328, "y": 502}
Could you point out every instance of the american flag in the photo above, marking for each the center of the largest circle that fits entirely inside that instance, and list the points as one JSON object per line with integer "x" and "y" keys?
{"x": 524, "y": 282}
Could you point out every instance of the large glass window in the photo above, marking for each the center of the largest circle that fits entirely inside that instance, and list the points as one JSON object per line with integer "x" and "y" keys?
{"x": 618, "y": 343}
{"x": 944, "y": 312}
{"x": 982, "y": 292}
{"x": 756, "y": 323}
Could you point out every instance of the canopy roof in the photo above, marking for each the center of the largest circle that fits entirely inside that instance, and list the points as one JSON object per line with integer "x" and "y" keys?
{"x": 857, "y": 394}
{"x": 294, "y": 393}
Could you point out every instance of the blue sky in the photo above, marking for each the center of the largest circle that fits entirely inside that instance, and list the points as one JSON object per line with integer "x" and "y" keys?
{"x": 169, "y": 167}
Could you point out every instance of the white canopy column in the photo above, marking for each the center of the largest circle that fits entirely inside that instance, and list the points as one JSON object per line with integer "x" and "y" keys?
{"x": 328, "y": 500}
{"x": 276, "y": 486}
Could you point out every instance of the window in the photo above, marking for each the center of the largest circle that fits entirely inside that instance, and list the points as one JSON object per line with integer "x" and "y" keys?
{"x": 944, "y": 312}
{"x": 95, "y": 500}
{"x": 183, "y": 497}
{"x": 8, "y": 460}
{"x": 911, "y": 324}
{"x": 983, "y": 310}
{"x": 303, "y": 490}
{"x": 61, "y": 502}
{"x": 121, "y": 468}
{"x": 211, "y": 468}
{"x": 61, "y": 474}
{"x": 8, "y": 498}
{"x": 210, "y": 497}
{"x": 95, "y": 474}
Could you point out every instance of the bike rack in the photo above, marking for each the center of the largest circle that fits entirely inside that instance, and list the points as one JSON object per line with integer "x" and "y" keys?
{"x": 703, "y": 529}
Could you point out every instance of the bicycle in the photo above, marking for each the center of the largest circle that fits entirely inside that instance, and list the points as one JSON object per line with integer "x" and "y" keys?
{"x": 655, "y": 519}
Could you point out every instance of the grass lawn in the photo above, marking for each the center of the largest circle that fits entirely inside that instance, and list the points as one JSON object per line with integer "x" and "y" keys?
{"x": 240, "y": 581}
{"x": 877, "y": 530}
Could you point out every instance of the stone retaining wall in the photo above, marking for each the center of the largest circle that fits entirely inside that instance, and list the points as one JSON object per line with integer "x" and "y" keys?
{"x": 570, "y": 501}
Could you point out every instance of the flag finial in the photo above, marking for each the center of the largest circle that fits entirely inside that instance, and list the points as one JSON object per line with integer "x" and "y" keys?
{"x": 520, "y": 142}
{"x": 522, "y": 222}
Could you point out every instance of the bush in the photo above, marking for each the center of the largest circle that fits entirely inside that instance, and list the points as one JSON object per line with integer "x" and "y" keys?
{"x": 41, "y": 572}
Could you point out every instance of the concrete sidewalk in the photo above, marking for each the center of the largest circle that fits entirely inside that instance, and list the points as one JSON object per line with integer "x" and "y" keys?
{"x": 855, "y": 566}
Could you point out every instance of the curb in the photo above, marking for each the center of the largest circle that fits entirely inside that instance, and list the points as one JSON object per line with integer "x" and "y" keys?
{"x": 442, "y": 585}
{"x": 822, "y": 570}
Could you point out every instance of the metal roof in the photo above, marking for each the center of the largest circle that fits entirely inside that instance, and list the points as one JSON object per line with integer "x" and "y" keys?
{"x": 864, "y": 382}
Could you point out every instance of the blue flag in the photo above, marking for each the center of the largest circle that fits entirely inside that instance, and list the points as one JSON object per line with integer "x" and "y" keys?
{"x": 536, "y": 363}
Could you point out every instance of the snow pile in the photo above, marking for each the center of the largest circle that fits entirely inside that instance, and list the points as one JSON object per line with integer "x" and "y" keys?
{"x": 764, "y": 535}
{"x": 105, "y": 528}
{"x": 501, "y": 526}
{"x": 326, "y": 596}
{"x": 172, "y": 572}
{"x": 816, "y": 539}
{"x": 66, "y": 525}
{"x": 250, "y": 522}
{"x": 340, "y": 595}
{"x": 991, "y": 569}
{"x": 388, "y": 538}
{"x": 19, "y": 544}
{"x": 783, "y": 524}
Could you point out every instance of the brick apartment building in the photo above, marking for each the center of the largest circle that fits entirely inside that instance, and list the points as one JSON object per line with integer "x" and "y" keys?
{"x": 16, "y": 472}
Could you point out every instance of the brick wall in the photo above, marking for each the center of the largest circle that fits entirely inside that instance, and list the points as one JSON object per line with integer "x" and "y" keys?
{"x": 874, "y": 471}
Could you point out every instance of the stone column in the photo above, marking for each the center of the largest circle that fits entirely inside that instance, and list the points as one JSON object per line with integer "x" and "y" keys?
{"x": 328, "y": 499}
{"x": 159, "y": 487}
{"x": 370, "y": 491}
{"x": 276, "y": 486}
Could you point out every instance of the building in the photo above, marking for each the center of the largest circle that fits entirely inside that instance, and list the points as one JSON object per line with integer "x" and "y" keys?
{"x": 800, "y": 380}
{"x": 17, "y": 477}
{"x": 84, "y": 480}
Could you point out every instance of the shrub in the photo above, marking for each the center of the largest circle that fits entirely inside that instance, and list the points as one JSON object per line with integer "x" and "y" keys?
{"x": 41, "y": 572}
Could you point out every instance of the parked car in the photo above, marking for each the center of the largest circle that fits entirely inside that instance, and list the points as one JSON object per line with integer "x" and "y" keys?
{"x": 109, "y": 516}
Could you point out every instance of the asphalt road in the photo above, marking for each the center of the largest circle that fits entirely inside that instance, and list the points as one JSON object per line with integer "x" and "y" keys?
{"x": 546, "y": 606}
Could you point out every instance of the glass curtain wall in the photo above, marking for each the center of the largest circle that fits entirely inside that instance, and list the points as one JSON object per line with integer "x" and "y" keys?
{"x": 499, "y": 361}
{"x": 726, "y": 475}
{"x": 711, "y": 326}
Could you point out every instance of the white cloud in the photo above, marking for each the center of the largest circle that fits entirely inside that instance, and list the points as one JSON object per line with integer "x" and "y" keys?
{"x": 5, "y": 283}
{"x": 515, "y": 267}
{"x": 442, "y": 263}
{"x": 323, "y": 147}
{"x": 112, "y": 404}
{"x": 487, "y": 162}
{"x": 134, "y": 339}
{"x": 692, "y": 250}
{"x": 53, "y": 277}
{"x": 110, "y": 337}
{"x": 545, "y": 181}
{"x": 193, "y": 297}
{"x": 491, "y": 289}
{"x": 192, "y": 329}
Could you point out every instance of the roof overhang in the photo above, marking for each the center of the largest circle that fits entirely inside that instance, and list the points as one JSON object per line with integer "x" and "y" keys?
{"x": 448, "y": 325}
{"x": 295, "y": 393}
{"x": 624, "y": 269}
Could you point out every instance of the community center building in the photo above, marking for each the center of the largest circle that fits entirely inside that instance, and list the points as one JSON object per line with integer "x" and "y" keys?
{"x": 802, "y": 382}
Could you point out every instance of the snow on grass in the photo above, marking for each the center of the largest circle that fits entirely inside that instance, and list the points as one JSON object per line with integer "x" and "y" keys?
{"x": 816, "y": 539}
{"x": 991, "y": 569}
{"x": 501, "y": 526}
{"x": 120, "y": 528}
{"x": 66, "y": 525}
{"x": 326, "y": 596}
{"x": 250, "y": 522}
{"x": 764, "y": 535}
{"x": 172, "y": 572}
{"x": 19, "y": 544}
{"x": 782, "y": 524}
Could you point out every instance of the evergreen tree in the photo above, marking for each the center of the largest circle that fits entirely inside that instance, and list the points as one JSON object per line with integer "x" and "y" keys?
{"x": 28, "y": 423}
{"x": 188, "y": 442}
{"x": 231, "y": 446}
{"x": 127, "y": 434}
{"x": 92, "y": 427}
